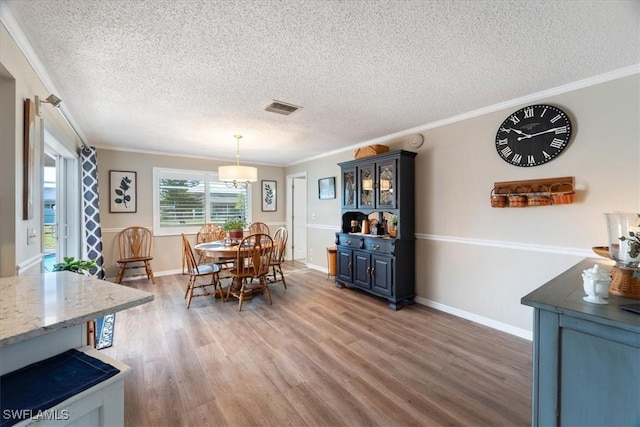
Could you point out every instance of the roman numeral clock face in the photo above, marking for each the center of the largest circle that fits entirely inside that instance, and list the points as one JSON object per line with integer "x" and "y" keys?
{"x": 533, "y": 135}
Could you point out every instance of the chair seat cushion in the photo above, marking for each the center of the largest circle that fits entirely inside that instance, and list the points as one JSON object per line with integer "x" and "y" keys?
{"x": 205, "y": 269}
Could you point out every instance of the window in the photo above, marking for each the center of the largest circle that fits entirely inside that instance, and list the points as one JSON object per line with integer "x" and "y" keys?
{"x": 184, "y": 200}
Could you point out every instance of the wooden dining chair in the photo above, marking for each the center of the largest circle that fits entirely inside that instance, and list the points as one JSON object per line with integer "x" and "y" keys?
{"x": 279, "y": 244}
{"x": 253, "y": 260}
{"x": 196, "y": 271}
{"x": 134, "y": 246}
{"x": 209, "y": 233}
{"x": 213, "y": 233}
{"x": 259, "y": 228}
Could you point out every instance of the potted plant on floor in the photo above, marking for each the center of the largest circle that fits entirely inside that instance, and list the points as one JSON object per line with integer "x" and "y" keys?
{"x": 235, "y": 228}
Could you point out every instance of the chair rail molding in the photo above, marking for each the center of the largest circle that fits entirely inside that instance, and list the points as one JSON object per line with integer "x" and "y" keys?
{"x": 584, "y": 253}
{"x": 29, "y": 263}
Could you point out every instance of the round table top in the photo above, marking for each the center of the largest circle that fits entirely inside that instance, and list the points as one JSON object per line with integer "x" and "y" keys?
{"x": 220, "y": 248}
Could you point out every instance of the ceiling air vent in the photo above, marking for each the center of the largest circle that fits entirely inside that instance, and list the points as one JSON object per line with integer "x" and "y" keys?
{"x": 281, "y": 107}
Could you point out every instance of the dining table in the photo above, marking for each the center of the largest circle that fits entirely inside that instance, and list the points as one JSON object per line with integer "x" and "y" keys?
{"x": 223, "y": 250}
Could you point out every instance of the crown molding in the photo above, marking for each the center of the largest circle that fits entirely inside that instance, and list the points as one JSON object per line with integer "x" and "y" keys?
{"x": 532, "y": 98}
{"x": 10, "y": 23}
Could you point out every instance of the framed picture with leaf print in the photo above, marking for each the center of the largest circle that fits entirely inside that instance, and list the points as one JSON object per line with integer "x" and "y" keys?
{"x": 122, "y": 192}
{"x": 268, "y": 196}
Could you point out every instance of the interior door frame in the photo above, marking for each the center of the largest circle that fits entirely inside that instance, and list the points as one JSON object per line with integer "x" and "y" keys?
{"x": 289, "y": 211}
{"x": 68, "y": 196}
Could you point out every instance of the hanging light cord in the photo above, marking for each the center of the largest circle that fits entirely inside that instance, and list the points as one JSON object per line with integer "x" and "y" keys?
{"x": 237, "y": 137}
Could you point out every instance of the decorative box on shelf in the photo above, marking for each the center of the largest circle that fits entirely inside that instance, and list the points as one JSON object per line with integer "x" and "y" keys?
{"x": 370, "y": 150}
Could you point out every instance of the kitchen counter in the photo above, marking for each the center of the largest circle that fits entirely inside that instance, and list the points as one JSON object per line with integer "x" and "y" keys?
{"x": 44, "y": 315}
{"x": 34, "y": 305}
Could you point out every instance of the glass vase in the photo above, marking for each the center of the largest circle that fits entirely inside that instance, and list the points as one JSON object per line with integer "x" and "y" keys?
{"x": 624, "y": 238}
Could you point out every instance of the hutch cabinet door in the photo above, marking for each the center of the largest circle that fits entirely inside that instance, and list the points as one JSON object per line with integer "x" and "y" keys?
{"x": 361, "y": 269}
{"x": 381, "y": 274}
{"x": 386, "y": 188}
{"x": 349, "y": 188}
{"x": 366, "y": 184}
{"x": 345, "y": 260}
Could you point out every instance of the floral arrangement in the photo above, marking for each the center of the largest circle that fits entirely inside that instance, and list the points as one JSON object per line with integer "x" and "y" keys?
{"x": 633, "y": 240}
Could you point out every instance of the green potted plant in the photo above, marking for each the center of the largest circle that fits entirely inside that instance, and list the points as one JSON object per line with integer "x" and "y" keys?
{"x": 80, "y": 266}
{"x": 235, "y": 227}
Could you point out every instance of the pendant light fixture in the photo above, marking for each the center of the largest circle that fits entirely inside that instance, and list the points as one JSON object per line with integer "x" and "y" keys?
{"x": 236, "y": 175}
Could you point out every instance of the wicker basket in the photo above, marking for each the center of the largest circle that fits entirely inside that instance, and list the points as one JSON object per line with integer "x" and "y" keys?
{"x": 624, "y": 282}
{"x": 603, "y": 251}
{"x": 371, "y": 150}
{"x": 539, "y": 198}
{"x": 562, "y": 197}
{"x": 518, "y": 199}
{"x": 498, "y": 200}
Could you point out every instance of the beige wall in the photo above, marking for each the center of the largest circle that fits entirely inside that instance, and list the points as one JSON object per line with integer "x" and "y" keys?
{"x": 19, "y": 81}
{"x": 477, "y": 261}
{"x": 167, "y": 249}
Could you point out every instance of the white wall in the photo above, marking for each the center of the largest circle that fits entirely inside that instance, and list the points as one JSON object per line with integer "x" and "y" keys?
{"x": 477, "y": 261}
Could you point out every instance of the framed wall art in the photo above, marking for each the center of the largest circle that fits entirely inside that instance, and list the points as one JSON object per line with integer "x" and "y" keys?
{"x": 29, "y": 157}
{"x": 327, "y": 188}
{"x": 122, "y": 192}
{"x": 268, "y": 196}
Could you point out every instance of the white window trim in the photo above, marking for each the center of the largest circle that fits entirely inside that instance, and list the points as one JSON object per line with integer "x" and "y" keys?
{"x": 183, "y": 174}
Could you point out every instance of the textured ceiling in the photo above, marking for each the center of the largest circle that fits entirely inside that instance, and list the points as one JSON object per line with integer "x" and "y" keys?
{"x": 185, "y": 76}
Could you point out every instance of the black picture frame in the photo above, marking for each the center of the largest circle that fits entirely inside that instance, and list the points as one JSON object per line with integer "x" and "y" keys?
{"x": 123, "y": 189}
{"x": 269, "y": 196}
{"x": 327, "y": 188}
{"x": 29, "y": 157}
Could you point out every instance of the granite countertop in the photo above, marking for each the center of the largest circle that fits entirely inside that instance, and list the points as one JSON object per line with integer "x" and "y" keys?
{"x": 34, "y": 305}
{"x": 564, "y": 294}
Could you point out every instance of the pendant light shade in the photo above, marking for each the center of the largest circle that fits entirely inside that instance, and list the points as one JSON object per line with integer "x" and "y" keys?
{"x": 236, "y": 175}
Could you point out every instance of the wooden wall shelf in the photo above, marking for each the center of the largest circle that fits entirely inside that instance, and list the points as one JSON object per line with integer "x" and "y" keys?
{"x": 533, "y": 192}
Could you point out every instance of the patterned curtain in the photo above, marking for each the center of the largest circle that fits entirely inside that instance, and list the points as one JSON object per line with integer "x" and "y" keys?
{"x": 91, "y": 209}
{"x": 93, "y": 235}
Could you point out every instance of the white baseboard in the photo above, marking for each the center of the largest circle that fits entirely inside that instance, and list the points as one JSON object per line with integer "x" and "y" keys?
{"x": 324, "y": 270}
{"x": 522, "y": 333}
{"x": 519, "y": 332}
{"x": 144, "y": 277}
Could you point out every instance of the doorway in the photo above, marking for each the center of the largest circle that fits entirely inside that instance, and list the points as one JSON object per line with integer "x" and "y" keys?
{"x": 297, "y": 217}
{"x": 60, "y": 228}
{"x": 49, "y": 231}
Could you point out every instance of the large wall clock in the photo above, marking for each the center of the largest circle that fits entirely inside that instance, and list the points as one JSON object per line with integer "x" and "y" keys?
{"x": 533, "y": 135}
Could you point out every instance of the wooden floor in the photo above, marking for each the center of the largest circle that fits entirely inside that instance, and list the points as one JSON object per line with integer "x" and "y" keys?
{"x": 318, "y": 356}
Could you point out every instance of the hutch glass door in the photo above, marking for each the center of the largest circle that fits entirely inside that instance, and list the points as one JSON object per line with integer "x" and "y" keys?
{"x": 366, "y": 186}
{"x": 349, "y": 188}
{"x": 386, "y": 185}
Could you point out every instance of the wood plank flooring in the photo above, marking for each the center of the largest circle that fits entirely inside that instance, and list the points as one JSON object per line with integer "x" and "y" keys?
{"x": 319, "y": 356}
